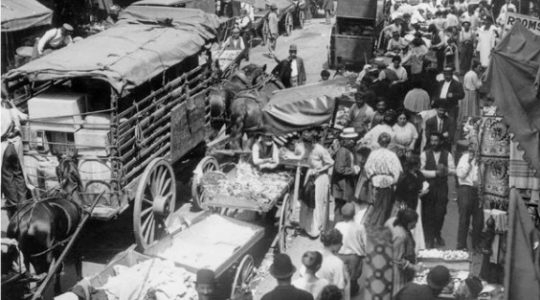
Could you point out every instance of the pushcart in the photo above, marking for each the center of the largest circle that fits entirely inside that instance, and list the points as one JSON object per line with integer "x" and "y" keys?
{"x": 234, "y": 270}
{"x": 209, "y": 174}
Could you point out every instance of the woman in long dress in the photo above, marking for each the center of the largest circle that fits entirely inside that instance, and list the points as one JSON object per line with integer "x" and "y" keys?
{"x": 467, "y": 38}
{"x": 409, "y": 189}
{"x": 470, "y": 106}
{"x": 403, "y": 244}
{"x": 314, "y": 220}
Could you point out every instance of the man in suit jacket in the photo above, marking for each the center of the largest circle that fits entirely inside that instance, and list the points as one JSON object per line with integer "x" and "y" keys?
{"x": 450, "y": 92}
{"x": 291, "y": 71}
{"x": 441, "y": 124}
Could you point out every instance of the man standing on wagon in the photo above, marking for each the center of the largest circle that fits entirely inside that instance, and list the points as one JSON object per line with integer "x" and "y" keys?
{"x": 13, "y": 182}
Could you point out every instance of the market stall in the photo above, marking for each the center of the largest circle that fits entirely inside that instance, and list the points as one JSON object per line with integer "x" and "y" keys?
{"x": 458, "y": 262}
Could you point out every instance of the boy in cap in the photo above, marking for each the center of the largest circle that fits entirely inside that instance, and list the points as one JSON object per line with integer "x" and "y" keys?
{"x": 55, "y": 38}
{"x": 282, "y": 270}
{"x": 438, "y": 278}
{"x": 206, "y": 284}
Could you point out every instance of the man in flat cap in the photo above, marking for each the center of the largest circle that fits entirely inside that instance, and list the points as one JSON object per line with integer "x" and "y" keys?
{"x": 55, "y": 38}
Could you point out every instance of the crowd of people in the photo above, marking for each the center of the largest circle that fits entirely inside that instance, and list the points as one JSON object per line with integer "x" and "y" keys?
{"x": 401, "y": 143}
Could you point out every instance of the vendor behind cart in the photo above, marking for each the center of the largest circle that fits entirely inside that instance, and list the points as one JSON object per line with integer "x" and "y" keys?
{"x": 234, "y": 42}
{"x": 265, "y": 152}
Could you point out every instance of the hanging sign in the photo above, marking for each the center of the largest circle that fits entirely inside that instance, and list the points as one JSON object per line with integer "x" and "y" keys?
{"x": 531, "y": 23}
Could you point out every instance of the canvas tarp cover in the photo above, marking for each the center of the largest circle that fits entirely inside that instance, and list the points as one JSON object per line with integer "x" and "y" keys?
{"x": 512, "y": 72}
{"x": 357, "y": 9}
{"x": 522, "y": 266}
{"x": 136, "y": 49}
{"x": 23, "y": 14}
{"x": 261, "y": 5}
{"x": 302, "y": 107}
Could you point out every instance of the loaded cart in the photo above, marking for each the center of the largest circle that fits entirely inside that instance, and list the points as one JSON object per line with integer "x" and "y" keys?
{"x": 231, "y": 188}
{"x": 169, "y": 266}
{"x": 127, "y": 103}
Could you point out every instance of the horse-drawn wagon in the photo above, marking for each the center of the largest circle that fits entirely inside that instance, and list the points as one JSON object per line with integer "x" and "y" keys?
{"x": 129, "y": 101}
{"x": 290, "y": 14}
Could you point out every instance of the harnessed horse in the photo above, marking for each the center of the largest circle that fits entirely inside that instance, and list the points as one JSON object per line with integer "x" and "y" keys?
{"x": 241, "y": 109}
{"x": 42, "y": 226}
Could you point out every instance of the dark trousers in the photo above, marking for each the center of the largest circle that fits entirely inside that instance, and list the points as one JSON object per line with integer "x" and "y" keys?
{"x": 434, "y": 211}
{"x": 353, "y": 263}
{"x": 439, "y": 54}
{"x": 468, "y": 205}
{"x": 13, "y": 185}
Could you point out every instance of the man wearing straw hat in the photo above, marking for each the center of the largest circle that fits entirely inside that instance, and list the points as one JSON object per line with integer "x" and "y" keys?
{"x": 345, "y": 171}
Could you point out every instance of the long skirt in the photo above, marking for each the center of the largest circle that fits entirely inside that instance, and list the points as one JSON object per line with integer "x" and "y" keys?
{"x": 383, "y": 201}
{"x": 314, "y": 220}
{"x": 466, "y": 52}
{"x": 469, "y": 106}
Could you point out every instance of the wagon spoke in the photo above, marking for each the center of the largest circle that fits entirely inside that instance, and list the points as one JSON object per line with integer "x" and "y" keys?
{"x": 166, "y": 186}
{"x": 168, "y": 195}
{"x": 146, "y": 211}
{"x": 161, "y": 181}
{"x": 151, "y": 232}
{"x": 146, "y": 222}
{"x": 148, "y": 202}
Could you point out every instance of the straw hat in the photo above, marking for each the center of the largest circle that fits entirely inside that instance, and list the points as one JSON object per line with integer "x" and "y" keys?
{"x": 348, "y": 133}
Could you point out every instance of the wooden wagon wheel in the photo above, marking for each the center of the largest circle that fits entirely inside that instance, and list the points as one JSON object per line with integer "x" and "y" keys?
{"x": 289, "y": 25}
{"x": 284, "y": 223}
{"x": 243, "y": 276}
{"x": 154, "y": 202}
{"x": 301, "y": 18}
{"x": 208, "y": 163}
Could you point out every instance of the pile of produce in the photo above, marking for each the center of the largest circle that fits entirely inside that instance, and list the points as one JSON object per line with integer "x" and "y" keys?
{"x": 446, "y": 255}
{"x": 248, "y": 183}
{"x": 208, "y": 244}
{"x": 151, "y": 279}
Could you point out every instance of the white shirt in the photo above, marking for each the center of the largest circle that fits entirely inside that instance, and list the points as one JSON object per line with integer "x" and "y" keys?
{"x": 467, "y": 173}
{"x": 383, "y": 167}
{"x": 471, "y": 81}
{"x": 334, "y": 271}
{"x": 437, "y": 155}
{"x": 354, "y": 238}
{"x": 249, "y": 8}
{"x": 54, "y": 38}
{"x": 444, "y": 90}
{"x": 313, "y": 287}
{"x": 400, "y": 72}
{"x": 294, "y": 68}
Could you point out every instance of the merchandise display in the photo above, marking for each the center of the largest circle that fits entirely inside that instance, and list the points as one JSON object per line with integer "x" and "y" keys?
{"x": 445, "y": 255}
{"x": 151, "y": 279}
{"x": 248, "y": 183}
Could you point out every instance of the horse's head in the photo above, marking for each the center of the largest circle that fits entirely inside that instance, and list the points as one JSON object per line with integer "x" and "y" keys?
{"x": 68, "y": 172}
{"x": 255, "y": 73}
{"x": 217, "y": 98}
